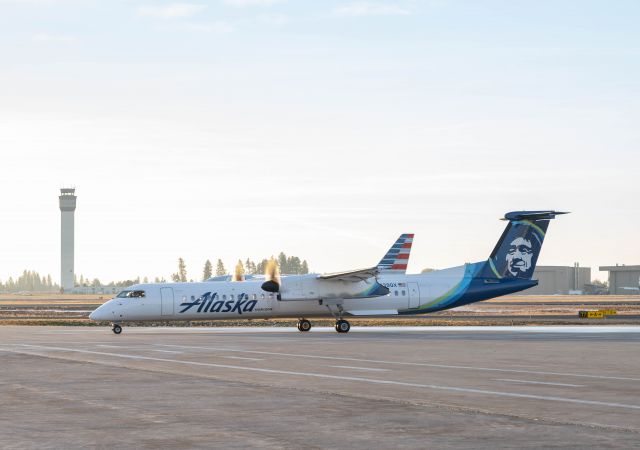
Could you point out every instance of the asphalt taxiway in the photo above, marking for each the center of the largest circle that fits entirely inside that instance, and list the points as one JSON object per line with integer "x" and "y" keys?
{"x": 442, "y": 387}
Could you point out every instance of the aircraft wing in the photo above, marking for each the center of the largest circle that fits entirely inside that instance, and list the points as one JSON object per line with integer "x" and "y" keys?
{"x": 352, "y": 276}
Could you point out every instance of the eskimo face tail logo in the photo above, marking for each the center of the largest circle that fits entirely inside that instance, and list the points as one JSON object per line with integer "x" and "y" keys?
{"x": 516, "y": 254}
{"x": 519, "y": 257}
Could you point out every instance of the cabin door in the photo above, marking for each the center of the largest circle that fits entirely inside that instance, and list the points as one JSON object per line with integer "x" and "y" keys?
{"x": 414, "y": 295}
{"x": 167, "y": 301}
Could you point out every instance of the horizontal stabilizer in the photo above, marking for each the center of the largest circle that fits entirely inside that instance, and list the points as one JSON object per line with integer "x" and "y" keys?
{"x": 352, "y": 276}
{"x": 532, "y": 215}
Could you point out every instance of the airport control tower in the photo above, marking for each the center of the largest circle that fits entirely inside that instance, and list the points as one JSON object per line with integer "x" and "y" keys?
{"x": 67, "y": 210}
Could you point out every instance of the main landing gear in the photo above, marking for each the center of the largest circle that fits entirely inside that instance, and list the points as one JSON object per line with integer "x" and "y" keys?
{"x": 117, "y": 329}
{"x": 304, "y": 325}
{"x": 342, "y": 326}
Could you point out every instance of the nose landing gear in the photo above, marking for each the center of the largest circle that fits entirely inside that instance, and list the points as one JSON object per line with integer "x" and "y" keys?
{"x": 117, "y": 329}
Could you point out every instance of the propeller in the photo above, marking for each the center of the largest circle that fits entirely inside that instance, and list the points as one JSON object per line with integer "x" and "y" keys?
{"x": 272, "y": 277}
{"x": 238, "y": 275}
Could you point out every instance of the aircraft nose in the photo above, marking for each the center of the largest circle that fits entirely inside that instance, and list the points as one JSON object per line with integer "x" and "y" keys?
{"x": 102, "y": 312}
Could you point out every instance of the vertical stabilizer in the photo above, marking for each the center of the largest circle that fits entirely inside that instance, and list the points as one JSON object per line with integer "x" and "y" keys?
{"x": 397, "y": 258}
{"x": 516, "y": 253}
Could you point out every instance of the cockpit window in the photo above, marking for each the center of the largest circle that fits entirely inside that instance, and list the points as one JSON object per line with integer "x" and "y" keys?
{"x": 131, "y": 294}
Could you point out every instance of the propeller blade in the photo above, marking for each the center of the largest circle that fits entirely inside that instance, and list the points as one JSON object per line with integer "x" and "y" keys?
{"x": 238, "y": 275}
{"x": 272, "y": 277}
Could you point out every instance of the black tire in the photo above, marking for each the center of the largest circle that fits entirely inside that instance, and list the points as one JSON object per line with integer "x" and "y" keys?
{"x": 304, "y": 325}
{"x": 342, "y": 326}
{"x": 117, "y": 329}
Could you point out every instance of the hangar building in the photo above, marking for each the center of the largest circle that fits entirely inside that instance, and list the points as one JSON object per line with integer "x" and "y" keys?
{"x": 621, "y": 277}
{"x": 559, "y": 280}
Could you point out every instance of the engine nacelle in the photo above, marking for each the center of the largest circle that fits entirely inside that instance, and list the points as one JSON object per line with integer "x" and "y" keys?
{"x": 310, "y": 287}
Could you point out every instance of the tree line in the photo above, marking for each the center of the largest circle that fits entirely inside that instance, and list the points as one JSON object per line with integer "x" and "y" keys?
{"x": 33, "y": 281}
{"x": 291, "y": 265}
{"x": 30, "y": 281}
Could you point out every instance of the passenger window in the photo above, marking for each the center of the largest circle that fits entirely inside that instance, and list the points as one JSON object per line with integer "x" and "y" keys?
{"x": 231, "y": 296}
{"x": 404, "y": 293}
{"x": 395, "y": 293}
{"x": 224, "y": 297}
{"x": 262, "y": 296}
{"x": 255, "y": 297}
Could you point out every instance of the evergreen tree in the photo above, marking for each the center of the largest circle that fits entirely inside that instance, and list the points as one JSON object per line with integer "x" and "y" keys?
{"x": 282, "y": 263}
{"x": 304, "y": 269}
{"x": 220, "y": 270}
{"x": 262, "y": 265}
{"x": 250, "y": 267}
{"x": 145, "y": 280}
{"x": 182, "y": 270}
{"x": 208, "y": 270}
{"x": 294, "y": 265}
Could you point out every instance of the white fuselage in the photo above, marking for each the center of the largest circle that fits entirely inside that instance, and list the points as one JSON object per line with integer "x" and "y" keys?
{"x": 235, "y": 300}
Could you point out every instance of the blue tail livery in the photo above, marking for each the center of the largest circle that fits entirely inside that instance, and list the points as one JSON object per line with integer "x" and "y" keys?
{"x": 516, "y": 253}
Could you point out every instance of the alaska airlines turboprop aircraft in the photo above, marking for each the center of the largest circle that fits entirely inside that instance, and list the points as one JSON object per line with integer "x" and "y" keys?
{"x": 371, "y": 292}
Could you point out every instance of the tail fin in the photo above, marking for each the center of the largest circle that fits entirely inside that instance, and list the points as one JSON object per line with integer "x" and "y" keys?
{"x": 397, "y": 258}
{"x": 516, "y": 253}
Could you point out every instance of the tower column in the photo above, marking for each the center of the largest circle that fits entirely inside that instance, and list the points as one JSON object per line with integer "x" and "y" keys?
{"x": 67, "y": 211}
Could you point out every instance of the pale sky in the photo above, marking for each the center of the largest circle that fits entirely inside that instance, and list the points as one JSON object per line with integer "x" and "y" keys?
{"x": 239, "y": 128}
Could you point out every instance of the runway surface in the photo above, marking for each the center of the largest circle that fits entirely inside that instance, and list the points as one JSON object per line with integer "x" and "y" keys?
{"x": 439, "y": 387}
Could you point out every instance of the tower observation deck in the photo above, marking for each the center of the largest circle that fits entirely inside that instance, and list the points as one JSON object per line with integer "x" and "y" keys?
{"x": 67, "y": 211}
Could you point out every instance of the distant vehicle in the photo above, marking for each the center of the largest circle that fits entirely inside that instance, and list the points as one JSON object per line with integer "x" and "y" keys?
{"x": 371, "y": 292}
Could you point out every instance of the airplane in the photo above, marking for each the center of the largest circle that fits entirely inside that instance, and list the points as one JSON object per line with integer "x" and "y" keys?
{"x": 394, "y": 261}
{"x": 369, "y": 292}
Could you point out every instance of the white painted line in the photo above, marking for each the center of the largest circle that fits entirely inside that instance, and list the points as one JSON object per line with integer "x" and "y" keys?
{"x": 240, "y": 357}
{"x": 336, "y": 377}
{"x": 361, "y": 368}
{"x": 122, "y": 347}
{"x": 401, "y": 363}
{"x": 538, "y": 382}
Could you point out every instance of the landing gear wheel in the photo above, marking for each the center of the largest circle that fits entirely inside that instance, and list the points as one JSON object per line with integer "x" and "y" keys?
{"x": 304, "y": 325}
{"x": 117, "y": 329}
{"x": 342, "y": 326}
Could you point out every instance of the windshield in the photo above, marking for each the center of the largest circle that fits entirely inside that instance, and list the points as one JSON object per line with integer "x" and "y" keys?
{"x": 131, "y": 294}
